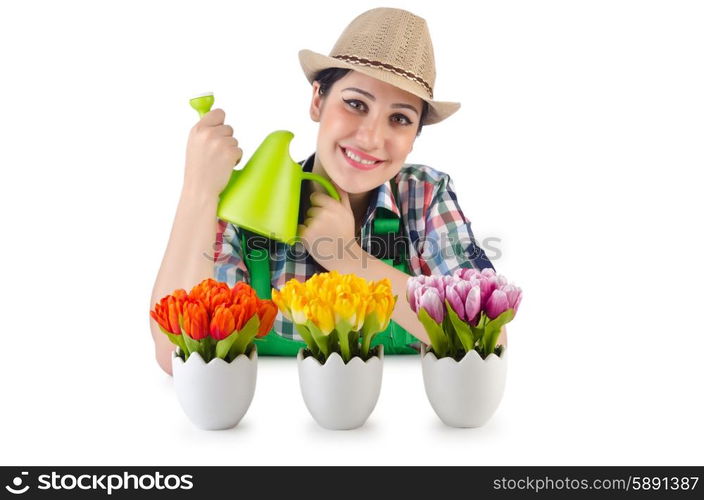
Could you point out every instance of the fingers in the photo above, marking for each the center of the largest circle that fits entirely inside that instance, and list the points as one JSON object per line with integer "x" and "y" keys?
{"x": 213, "y": 117}
{"x": 225, "y": 130}
{"x": 232, "y": 149}
{"x": 314, "y": 211}
{"x": 213, "y": 122}
{"x": 321, "y": 199}
{"x": 301, "y": 232}
{"x": 231, "y": 142}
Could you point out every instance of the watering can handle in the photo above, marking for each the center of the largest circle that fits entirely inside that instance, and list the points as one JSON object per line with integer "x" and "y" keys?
{"x": 326, "y": 183}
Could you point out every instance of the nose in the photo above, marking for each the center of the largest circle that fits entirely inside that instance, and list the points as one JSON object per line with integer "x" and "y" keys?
{"x": 370, "y": 133}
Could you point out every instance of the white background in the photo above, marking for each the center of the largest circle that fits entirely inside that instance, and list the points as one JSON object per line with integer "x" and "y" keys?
{"x": 579, "y": 145}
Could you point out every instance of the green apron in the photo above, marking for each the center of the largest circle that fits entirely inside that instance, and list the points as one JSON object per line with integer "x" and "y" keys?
{"x": 386, "y": 228}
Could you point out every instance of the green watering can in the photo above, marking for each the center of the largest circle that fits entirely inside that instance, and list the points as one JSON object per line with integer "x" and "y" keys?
{"x": 264, "y": 196}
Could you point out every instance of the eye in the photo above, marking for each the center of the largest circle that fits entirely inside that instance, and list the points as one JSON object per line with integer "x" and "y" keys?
{"x": 355, "y": 104}
{"x": 402, "y": 119}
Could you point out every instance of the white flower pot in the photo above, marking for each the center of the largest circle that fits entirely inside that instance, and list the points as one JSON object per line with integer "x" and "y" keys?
{"x": 338, "y": 395}
{"x": 464, "y": 393}
{"x": 215, "y": 395}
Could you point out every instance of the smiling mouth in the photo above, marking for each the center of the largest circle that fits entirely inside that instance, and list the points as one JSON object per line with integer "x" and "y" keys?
{"x": 358, "y": 162}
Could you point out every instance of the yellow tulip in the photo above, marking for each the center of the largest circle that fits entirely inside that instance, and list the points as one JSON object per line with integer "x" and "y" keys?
{"x": 298, "y": 305}
{"x": 345, "y": 308}
{"x": 356, "y": 284}
{"x": 330, "y": 299}
{"x": 361, "y": 311}
{"x": 280, "y": 300}
{"x": 381, "y": 301}
{"x": 382, "y": 287}
{"x": 321, "y": 315}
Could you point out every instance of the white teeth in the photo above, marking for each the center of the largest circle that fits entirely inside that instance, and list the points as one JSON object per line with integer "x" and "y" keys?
{"x": 358, "y": 159}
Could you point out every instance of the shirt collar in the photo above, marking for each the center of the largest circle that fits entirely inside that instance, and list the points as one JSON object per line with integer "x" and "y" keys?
{"x": 382, "y": 197}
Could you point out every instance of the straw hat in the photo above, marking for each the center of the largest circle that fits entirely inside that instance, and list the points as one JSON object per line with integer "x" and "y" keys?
{"x": 391, "y": 45}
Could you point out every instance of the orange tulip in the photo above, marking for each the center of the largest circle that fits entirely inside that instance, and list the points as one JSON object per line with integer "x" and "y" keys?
{"x": 211, "y": 293}
{"x": 195, "y": 319}
{"x": 213, "y": 309}
{"x": 168, "y": 311}
{"x": 267, "y": 313}
{"x": 243, "y": 309}
{"x": 222, "y": 322}
{"x": 242, "y": 291}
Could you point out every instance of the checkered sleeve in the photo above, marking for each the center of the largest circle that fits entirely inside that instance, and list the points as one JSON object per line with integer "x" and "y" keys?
{"x": 449, "y": 243}
{"x": 229, "y": 265}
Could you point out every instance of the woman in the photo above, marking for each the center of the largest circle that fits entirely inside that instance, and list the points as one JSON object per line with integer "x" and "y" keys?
{"x": 371, "y": 96}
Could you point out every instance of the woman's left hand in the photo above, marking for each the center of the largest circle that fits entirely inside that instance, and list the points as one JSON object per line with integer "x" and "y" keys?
{"x": 328, "y": 230}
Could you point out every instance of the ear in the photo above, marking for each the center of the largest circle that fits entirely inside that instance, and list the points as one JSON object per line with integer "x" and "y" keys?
{"x": 316, "y": 103}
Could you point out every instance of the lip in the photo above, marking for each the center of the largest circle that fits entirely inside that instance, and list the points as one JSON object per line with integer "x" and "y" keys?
{"x": 356, "y": 165}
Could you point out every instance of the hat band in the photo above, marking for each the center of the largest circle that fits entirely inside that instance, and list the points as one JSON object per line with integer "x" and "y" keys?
{"x": 389, "y": 67}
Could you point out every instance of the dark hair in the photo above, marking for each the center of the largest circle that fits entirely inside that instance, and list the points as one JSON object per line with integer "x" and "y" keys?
{"x": 327, "y": 77}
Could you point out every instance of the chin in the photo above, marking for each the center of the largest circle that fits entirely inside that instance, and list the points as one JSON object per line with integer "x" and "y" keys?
{"x": 353, "y": 183}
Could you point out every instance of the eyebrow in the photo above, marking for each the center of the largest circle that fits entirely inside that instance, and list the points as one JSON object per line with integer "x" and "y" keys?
{"x": 398, "y": 105}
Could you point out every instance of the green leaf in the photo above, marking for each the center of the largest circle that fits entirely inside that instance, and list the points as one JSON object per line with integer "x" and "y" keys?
{"x": 321, "y": 340}
{"x": 367, "y": 342}
{"x": 462, "y": 329}
{"x": 370, "y": 328}
{"x": 438, "y": 339}
{"x": 343, "y": 326}
{"x": 493, "y": 330}
{"x": 342, "y": 330}
{"x": 245, "y": 337}
{"x": 454, "y": 344}
{"x": 308, "y": 339}
{"x": 192, "y": 346}
{"x": 223, "y": 346}
{"x": 504, "y": 317}
{"x": 354, "y": 344}
{"x": 344, "y": 342}
{"x": 209, "y": 348}
{"x": 177, "y": 340}
{"x": 371, "y": 324}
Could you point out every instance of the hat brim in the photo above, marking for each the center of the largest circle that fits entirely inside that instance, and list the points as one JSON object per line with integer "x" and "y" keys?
{"x": 312, "y": 63}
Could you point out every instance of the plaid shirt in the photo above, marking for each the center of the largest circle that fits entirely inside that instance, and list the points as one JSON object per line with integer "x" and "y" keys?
{"x": 441, "y": 238}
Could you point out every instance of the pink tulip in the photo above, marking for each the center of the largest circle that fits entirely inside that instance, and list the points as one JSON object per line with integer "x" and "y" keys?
{"x": 428, "y": 298}
{"x": 411, "y": 286}
{"x": 488, "y": 281}
{"x": 488, "y": 272}
{"x": 503, "y": 298}
{"x": 466, "y": 273}
{"x": 514, "y": 296}
{"x": 456, "y": 291}
{"x": 438, "y": 283}
{"x": 453, "y": 295}
{"x": 497, "y": 303}
{"x": 473, "y": 305}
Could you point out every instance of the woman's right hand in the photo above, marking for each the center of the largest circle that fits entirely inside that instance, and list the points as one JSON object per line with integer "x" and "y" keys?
{"x": 211, "y": 154}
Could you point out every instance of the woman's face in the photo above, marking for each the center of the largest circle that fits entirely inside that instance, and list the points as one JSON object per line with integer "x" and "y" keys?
{"x": 372, "y": 121}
